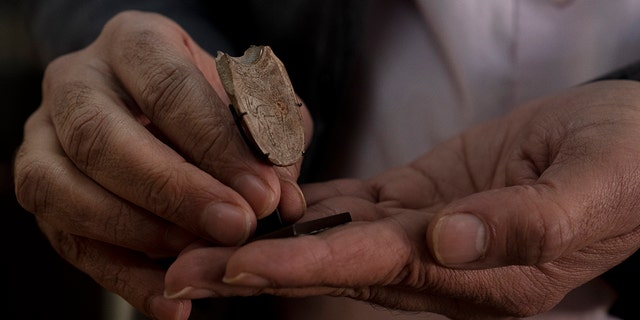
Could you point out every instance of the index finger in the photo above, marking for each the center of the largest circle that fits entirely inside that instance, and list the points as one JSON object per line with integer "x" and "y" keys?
{"x": 175, "y": 85}
{"x": 353, "y": 255}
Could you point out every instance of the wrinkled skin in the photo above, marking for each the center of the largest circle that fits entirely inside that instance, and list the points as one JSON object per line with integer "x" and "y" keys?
{"x": 133, "y": 155}
{"x": 556, "y": 185}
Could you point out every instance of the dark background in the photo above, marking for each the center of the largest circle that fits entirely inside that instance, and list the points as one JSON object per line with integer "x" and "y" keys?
{"x": 40, "y": 284}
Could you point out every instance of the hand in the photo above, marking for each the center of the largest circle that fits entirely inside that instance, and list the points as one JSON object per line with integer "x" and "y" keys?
{"x": 134, "y": 154}
{"x": 503, "y": 220}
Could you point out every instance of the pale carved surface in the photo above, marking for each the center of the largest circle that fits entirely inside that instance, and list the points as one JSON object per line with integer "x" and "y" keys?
{"x": 265, "y": 102}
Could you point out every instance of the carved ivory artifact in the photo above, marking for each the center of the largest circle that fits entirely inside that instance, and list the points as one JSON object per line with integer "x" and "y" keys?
{"x": 264, "y": 104}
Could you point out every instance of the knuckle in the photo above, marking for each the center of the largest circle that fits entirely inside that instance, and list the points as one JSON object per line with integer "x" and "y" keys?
{"x": 545, "y": 234}
{"x": 55, "y": 69}
{"x": 128, "y": 25}
{"x": 166, "y": 85}
{"x": 165, "y": 80}
{"x": 137, "y": 44}
{"x": 165, "y": 193}
{"x": 117, "y": 227}
{"x": 113, "y": 277}
{"x": 553, "y": 239}
{"x": 85, "y": 255}
{"x": 80, "y": 122}
{"x": 81, "y": 252}
{"x": 123, "y": 17}
{"x": 33, "y": 184}
{"x": 132, "y": 20}
{"x": 71, "y": 248}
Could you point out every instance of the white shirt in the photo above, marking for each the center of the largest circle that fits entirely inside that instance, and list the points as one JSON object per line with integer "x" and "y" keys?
{"x": 435, "y": 67}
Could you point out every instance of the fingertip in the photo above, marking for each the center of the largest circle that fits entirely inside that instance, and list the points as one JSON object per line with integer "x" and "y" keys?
{"x": 227, "y": 223}
{"x": 258, "y": 192}
{"x": 163, "y": 308}
{"x": 292, "y": 202}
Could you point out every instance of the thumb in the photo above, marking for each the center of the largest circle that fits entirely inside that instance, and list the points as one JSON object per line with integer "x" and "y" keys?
{"x": 521, "y": 225}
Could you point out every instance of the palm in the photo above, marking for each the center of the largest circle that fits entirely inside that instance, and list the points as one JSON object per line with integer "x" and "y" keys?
{"x": 554, "y": 182}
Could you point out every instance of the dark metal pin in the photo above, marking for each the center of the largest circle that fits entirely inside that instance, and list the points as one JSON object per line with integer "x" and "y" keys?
{"x": 307, "y": 227}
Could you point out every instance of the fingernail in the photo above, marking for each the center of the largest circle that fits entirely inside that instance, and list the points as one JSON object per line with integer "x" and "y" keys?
{"x": 459, "y": 238}
{"x": 169, "y": 309}
{"x": 190, "y": 293}
{"x": 227, "y": 223}
{"x": 247, "y": 279}
{"x": 257, "y": 192}
{"x": 296, "y": 190}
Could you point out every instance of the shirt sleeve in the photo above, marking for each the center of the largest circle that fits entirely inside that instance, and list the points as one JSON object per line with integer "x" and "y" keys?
{"x": 628, "y": 72}
{"x": 62, "y": 26}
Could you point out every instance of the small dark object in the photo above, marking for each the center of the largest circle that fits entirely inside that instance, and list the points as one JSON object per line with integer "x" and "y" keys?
{"x": 307, "y": 227}
{"x": 269, "y": 223}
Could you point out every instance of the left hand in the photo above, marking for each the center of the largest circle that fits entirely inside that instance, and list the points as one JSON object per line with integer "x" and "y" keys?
{"x": 133, "y": 155}
{"x": 503, "y": 220}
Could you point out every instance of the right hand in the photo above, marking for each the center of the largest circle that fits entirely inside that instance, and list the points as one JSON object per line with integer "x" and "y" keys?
{"x": 134, "y": 154}
{"x": 503, "y": 220}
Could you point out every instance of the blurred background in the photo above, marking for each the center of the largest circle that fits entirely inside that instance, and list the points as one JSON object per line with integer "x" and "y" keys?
{"x": 40, "y": 284}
